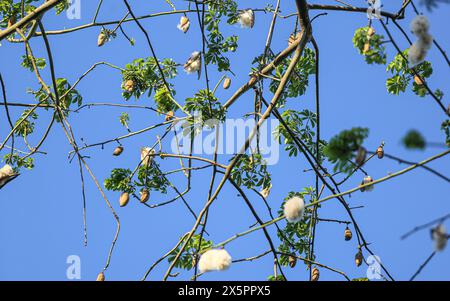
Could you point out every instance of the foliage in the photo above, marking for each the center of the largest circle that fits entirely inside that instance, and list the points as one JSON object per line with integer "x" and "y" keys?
{"x": 340, "y": 150}
{"x": 186, "y": 260}
{"x": 124, "y": 119}
{"x": 251, "y": 171}
{"x": 208, "y": 106}
{"x": 27, "y": 62}
{"x": 18, "y": 162}
{"x": 414, "y": 140}
{"x": 12, "y": 10}
{"x": 446, "y": 128}
{"x": 376, "y": 54}
{"x": 119, "y": 180}
{"x": 24, "y": 125}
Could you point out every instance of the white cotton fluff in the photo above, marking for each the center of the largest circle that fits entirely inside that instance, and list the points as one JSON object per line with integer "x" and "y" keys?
{"x": 266, "y": 191}
{"x": 293, "y": 209}
{"x": 6, "y": 171}
{"x": 420, "y": 26}
{"x": 194, "y": 63}
{"x": 146, "y": 157}
{"x": 417, "y": 53}
{"x": 214, "y": 260}
{"x": 440, "y": 237}
{"x": 247, "y": 18}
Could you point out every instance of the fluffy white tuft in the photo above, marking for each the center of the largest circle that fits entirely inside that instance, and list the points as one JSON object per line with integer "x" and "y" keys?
{"x": 420, "y": 26}
{"x": 440, "y": 237}
{"x": 146, "y": 157}
{"x": 6, "y": 171}
{"x": 293, "y": 209}
{"x": 247, "y": 18}
{"x": 194, "y": 63}
{"x": 214, "y": 260}
{"x": 417, "y": 53}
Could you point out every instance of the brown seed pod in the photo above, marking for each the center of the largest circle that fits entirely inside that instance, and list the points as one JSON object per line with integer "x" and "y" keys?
{"x": 293, "y": 38}
{"x": 101, "y": 40}
{"x": 118, "y": 151}
{"x": 315, "y": 274}
{"x": 366, "y": 47}
{"x": 361, "y": 156}
{"x": 145, "y": 194}
{"x": 226, "y": 83}
{"x": 418, "y": 80}
{"x": 169, "y": 116}
{"x": 12, "y": 21}
{"x": 101, "y": 277}
{"x": 292, "y": 261}
{"x": 124, "y": 199}
{"x": 380, "y": 152}
{"x": 359, "y": 258}
{"x": 129, "y": 85}
{"x": 370, "y": 31}
{"x": 347, "y": 234}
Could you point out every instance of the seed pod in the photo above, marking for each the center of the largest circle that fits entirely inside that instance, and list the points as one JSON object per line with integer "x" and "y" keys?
{"x": 169, "y": 116}
{"x": 146, "y": 156}
{"x": 101, "y": 277}
{"x": 315, "y": 274}
{"x": 292, "y": 261}
{"x": 12, "y": 21}
{"x": 118, "y": 151}
{"x": 370, "y": 31}
{"x": 124, "y": 199}
{"x": 347, "y": 234}
{"x": 145, "y": 194}
{"x": 129, "y": 85}
{"x": 293, "y": 38}
{"x": 366, "y": 47}
{"x": 380, "y": 152}
{"x": 359, "y": 258}
{"x": 226, "y": 83}
{"x": 101, "y": 40}
{"x": 361, "y": 156}
{"x": 418, "y": 80}
{"x": 184, "y": 24}
{"x": 266, "y": 191}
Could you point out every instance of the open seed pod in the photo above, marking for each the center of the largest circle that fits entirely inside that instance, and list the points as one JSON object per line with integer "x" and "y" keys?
{"x": 315, "y": 274}
{"x": 145, "y": 194}
{"x": 292, "y": 261}
{"x": 359, "y": 258}
{"x": 226, "y": 83}
{"x": 129, "y": 85}
{"x": 380, "y": 152}
{"x": 169, "y": 116}
{"x": 184, "y": 24}
{"x": 124, "y": 199}
{"x": 348, "y": 234}
{"x": 118, "y": 150}
{"x": 101, "y": 277}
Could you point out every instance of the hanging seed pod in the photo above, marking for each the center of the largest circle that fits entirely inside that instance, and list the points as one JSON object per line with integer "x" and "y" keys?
{"x": 124, "y": 199}
{"x": 347, "y": 234}
{"x": 226, "y": 83}
{"x": 169, "y": 116}
{"x": 366, "y": 47}
{"x": 293, "y": 38}
{"x": 370, "y": 31}
{"x": 440, "y": 237}
{"x": 359, "y": 258}
{"x": 184, "y": 24}
{"x": 145, "y": 194}
{"x": 315, "y": 274}
{"x": 129, "y": 85}
{"x": 12, "y": 20}
{"x": 118, "y": 151}
{"x": 367, "y": 180}
{"x": 266, "y": 191}
{"x": 101, "y": 40}
{"x": 292, "y": 261}
{"x": 101, "y": 277}
{"x": 418, "y": 80}
{"x": 361, "y": 156}
{"x": 380, "y": 152}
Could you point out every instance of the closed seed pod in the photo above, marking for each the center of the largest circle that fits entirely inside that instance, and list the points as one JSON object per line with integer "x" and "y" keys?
{"x": 226, "y": 83}
{"x": 169, "y": 116}
{"x": 315, "y": 274}
{"x": 101, "y": 40}
{"x": 124, "y": 199}
{"x": 118, "y": 151}
{"x": 145, "y": 194}
{"x": 359, "y": 258}
{"x": 348, "y": 234}
{"x": 129, "y": 85}
{"x": 101, "y": 277}
{"x": 366, "y": 47}
{"x": 292, "y": 261}
{"x": 418, "y": 80}
{"x": 380, "y": 152}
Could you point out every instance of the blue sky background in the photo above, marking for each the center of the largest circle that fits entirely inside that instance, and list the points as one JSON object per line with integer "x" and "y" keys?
{"x": 41, "y": 211}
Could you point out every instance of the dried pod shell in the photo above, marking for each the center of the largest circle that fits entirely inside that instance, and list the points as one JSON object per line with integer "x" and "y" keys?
{"x": 315, "y": 274}
{"x": 145, "y": 194}
{"x": 293, "y": 38}
{"x": 12, "y": 21}
{"x": 361, "y": 156}
{"x": 348, "y": 234}
{"x": 370, "y": 31}
{"x": 129, "y": 85}
{"x": 169, "y": 116}
{"x": 124, "y": 199}
{"x": 101, "y": 40}
{"x": 359, "y": 258}
{"x": 184, "y": 24}
{"x": 366, "y": 47}
{"x": 101, "y": 277}
{"x": 380, "y": 152}
{"x": 292, "y": 261}
{"x": 118, "y": 151}
{"x": 226, "y": 83}
{"x": 418, "y": 80}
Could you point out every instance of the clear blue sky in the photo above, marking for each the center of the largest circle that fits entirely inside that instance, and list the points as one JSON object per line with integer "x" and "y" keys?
{"x": 41, "y": 211}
